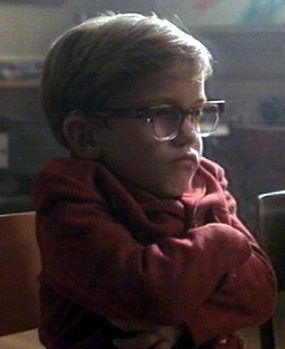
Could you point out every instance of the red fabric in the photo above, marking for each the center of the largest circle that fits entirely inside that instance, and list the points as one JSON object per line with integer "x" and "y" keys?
{"x": 111, "y": 250}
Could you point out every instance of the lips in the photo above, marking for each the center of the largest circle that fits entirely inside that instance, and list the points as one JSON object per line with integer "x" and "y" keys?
{"x": 189, "y": 157}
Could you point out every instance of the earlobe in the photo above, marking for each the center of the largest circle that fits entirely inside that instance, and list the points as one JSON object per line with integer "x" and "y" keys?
{"x": 80, "y": 137}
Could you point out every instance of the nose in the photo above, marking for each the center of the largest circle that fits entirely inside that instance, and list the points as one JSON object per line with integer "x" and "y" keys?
{"x": 190, "y": 138}
{"x": 188, "y": 129}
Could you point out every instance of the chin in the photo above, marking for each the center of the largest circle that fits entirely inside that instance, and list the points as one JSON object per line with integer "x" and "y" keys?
{"x": 175, "y": 190}
{"x": 175, "y": 185}
{"x": 179, "y": 187}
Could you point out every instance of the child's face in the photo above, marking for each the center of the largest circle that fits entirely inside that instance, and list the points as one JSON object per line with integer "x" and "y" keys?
{"x": 129, "y": 148}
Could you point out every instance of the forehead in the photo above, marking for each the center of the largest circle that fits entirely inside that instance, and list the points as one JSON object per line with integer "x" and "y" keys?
{"x": 177, "y": 82}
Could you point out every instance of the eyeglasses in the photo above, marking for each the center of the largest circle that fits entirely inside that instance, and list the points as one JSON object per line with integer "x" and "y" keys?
{"x": 167, "y": 120}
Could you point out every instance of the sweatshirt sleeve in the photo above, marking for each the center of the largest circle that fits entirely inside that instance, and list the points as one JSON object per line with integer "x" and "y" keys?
{"x": 247, "y": 297}
{"x": 94, "y": 261}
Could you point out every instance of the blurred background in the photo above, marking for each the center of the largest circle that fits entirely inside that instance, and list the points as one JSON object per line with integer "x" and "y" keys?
{"x": 246, "y": 38}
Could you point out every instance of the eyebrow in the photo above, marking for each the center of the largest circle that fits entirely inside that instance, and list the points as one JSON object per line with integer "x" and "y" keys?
{"x": 170, "y": 102}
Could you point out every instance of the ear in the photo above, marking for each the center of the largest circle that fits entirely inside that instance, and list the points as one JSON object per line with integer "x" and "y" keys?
{"x": 80, "y": 137}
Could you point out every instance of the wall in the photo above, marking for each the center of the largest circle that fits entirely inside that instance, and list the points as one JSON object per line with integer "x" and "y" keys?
{"x": 28, "y": 29}
{"x": 249, "y": 71}
{"x": 224, "y": 12}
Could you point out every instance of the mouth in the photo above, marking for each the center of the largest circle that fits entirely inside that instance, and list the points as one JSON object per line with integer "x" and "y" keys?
{"x": 189, "y": 157}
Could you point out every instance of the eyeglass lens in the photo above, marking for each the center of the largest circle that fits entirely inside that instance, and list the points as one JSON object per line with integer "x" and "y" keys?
{"x": 167, "y": 120}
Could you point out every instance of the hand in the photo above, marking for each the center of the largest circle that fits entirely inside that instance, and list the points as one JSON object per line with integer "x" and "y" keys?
{"x": 154, "y": 336}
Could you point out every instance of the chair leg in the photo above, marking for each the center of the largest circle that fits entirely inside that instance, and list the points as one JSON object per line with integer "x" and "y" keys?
{"x": 267, "y": 335}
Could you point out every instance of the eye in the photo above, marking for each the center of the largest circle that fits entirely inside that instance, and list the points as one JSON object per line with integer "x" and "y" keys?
{"x": 166, "y": 116}
{"x": 165, "y": 120}
{"x": 165, "y": 112}
{"x": 196, "y": 113}
{"x": 211, "y": 108}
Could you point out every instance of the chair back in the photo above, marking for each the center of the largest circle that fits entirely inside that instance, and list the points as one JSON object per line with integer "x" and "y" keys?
{"x": 271, "y": 235}
{"x": 19, "y": 267}
{"x": 271, "y": 213}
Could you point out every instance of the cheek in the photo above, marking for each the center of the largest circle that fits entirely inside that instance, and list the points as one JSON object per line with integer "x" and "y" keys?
{"x": 128, "y": 150}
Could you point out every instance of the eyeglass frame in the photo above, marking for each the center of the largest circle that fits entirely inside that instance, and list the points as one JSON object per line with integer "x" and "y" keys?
{"x": 142, "y": 113}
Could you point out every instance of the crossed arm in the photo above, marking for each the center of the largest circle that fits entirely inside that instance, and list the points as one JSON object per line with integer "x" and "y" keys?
{"x": 209, "y": 281}
{"x": 187, "y": 281}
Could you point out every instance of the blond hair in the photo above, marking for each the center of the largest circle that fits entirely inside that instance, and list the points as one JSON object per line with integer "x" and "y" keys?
{"x": 90, "y": 62}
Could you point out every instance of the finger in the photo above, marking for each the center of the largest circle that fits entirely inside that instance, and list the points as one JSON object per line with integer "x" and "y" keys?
{"x": 144, "y": 340}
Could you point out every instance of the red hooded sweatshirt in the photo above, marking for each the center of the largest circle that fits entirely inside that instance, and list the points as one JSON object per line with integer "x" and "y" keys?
{"x": 111, "y": 250}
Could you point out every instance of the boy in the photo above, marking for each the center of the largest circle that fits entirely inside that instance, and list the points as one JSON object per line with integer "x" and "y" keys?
{"x": 140, "y": 242}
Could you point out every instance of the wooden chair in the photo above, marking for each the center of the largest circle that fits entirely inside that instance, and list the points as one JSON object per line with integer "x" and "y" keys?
{"x": 19, "y": 267}
{"x": 271, "y": 234}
